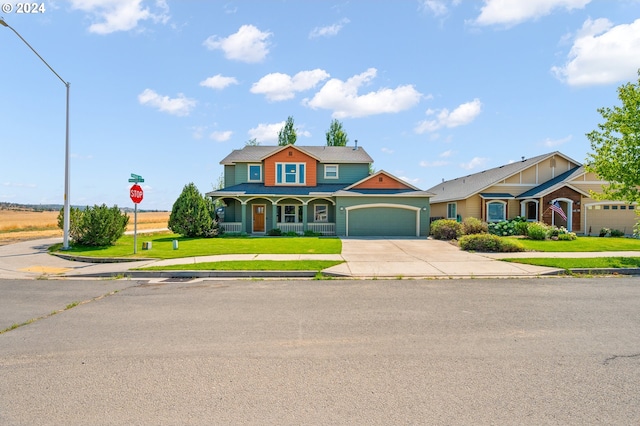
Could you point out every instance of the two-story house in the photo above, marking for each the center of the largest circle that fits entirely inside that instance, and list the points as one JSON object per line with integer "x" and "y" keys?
{"x": 529, "y": 188}
{"x": 326, "y": 189}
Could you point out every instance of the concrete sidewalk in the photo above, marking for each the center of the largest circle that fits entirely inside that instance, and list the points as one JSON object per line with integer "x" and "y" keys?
{"x": 364, "y": 258}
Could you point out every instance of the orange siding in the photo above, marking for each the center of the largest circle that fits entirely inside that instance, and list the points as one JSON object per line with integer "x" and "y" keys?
{"x": 296, "y": 156}
{"x": 381, "y": 181}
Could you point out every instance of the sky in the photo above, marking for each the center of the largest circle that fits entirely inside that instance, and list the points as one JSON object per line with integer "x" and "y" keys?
{"x": 431, "y": 89}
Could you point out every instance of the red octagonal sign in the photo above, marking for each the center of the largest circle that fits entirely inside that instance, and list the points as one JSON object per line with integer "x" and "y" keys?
{"x": 136, "y": 193}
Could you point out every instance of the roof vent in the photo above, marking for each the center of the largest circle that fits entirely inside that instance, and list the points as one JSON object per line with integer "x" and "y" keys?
{"x": 356, "y": 147}
{"x": 523, "y": 158}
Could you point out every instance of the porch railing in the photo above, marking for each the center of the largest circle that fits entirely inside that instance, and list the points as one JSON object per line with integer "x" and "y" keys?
{"x": 325, "y": 228}
{"x": 232, "y": 227}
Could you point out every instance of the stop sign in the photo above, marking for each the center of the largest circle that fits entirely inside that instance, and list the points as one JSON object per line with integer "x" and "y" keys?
{"x": 136, "y": 193}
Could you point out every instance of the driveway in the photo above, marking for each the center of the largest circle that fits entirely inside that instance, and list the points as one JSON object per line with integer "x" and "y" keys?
{"x": 420, "y": 257}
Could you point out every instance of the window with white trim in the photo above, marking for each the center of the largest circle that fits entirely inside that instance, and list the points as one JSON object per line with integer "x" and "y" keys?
{"x": 452, "y": 210}
{"x": 289, "y": 213}
{"x": 331, "y": 171}
{"x": 290, "y": 173}
{"x": 496, "y": 211}
{"x": 255, "y": 173}
{"x": 321, "y": 213}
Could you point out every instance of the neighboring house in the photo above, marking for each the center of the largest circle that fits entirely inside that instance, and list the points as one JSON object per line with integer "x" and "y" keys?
{"x": 326, "y": 189}
{"x": 529, "y": 188}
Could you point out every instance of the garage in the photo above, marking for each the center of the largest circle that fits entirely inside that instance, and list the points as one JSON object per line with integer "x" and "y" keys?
{"x": 383, "y": 221}
{"x": 613, "y": 216}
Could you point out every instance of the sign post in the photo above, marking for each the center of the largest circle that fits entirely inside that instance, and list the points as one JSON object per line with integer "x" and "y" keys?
{"x": 136, "y": 195}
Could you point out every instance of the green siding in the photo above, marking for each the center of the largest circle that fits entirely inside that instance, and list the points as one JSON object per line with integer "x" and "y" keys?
{"x": 382, "y": 221}
{"x": 229, "y": 176}
{"x": 347, "y": 173}
{"x": 372, "y": 221}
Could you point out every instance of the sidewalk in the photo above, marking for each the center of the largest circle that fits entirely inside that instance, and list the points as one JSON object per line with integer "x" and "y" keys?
{"x": 363, "y": 258}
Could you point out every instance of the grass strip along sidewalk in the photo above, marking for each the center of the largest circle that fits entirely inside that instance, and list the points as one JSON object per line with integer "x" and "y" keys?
{"x": 162, "y": 248}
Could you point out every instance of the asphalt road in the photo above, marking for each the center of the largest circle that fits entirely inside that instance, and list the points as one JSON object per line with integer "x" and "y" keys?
{"x": 523, "y": 351}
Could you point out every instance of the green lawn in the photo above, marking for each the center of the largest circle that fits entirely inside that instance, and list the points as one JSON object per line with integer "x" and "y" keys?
{"x": 250, "y": 265}
{"x": 162, "y": 246}
{"x": 591, "y": 262}
{"x": 582, "y": 244}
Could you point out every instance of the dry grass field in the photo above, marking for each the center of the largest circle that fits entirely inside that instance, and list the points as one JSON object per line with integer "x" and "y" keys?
{"x": 18, "y": 225}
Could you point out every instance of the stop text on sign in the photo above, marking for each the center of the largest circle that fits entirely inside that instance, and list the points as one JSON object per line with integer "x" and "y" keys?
{"x": 136, "y": 194}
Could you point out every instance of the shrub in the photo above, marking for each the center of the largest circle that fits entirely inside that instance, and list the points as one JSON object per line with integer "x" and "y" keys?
{"x": 570, "y": 236}
{"x": 193, "y": 215}
{"x": 537, "y": 231}
{"x": 604, "y": 232}
{"x": 310, "y": 233}
{"x": 275, "y": 232}
{"x": 95, "y": 226}
{"x": 489, "y": 243}
{"x": 507, "y": 227}
{"x": 472, "y": 225}
{"x": 521, "y": 228}
{"x": 616, "y": 233}
{"x": 446, "y": 229}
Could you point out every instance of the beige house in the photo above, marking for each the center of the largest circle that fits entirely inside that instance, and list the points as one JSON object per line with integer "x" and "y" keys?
{"x": 529, "y": 188}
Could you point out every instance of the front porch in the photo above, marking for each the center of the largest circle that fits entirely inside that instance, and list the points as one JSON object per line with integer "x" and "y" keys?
{"x": 328, "y": 228}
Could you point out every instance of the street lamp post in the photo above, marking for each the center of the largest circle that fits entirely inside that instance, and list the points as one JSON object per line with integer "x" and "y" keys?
{"x": 67, "y": 213}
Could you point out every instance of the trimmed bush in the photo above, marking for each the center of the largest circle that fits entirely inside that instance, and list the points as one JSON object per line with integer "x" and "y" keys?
{"x": 193, "y": 215}
{"x": 95, "y": 226}
{"x": 616, "y": 233}
{"x": 537, "y": 231}
{"x": 275, "y": 232}
{"x": 521, "y": 228}
{"x": 472, "y": 225}
{"x": 446, "y": 229}
{"x": 489, "y": 243}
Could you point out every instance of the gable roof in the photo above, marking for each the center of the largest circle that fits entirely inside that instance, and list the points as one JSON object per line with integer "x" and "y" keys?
{"x": 466, "y": 186}
{"x": 389, "y": 175}
{"x": 555, "y": 183}
{"x": 324, "y": 154}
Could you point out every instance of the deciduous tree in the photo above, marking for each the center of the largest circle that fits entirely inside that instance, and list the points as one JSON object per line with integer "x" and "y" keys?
{"x": 287, "y": 135}
{"x": 336, "y": 136}
{"x": 616, "y": 146}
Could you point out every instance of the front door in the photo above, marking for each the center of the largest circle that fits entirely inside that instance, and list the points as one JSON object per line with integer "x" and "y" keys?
{"x": 258, "y": 217}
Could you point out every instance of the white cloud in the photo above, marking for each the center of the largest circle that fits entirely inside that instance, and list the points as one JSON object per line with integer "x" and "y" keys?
{"x": 550, "y": 143}
{"x": 475, "y": 162}
{"x": 514, "y": 12}
{"x": 221, "y": 136}
{"x": 120, "y": 15}
{"x": 602, "y": 54}
{"x": 218, "y": 82}
{"x": 437, "y": 7}
{"x": 328, "y": 31}
{"x": 387, "y": 150}
{"x": 342, "y": 97}
{"x": 280, "y": 87}
{"x": 463, "y": 114}
{"x": 180, "y": 105}
{"x": 266, "y": 132}
{"x": 249, "y": 44}
{"x": 446, "y": 154}
{"x": 410, "y": 181}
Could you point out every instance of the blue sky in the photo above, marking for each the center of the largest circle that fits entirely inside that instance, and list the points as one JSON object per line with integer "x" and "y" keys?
{"x": 432, "y": 89}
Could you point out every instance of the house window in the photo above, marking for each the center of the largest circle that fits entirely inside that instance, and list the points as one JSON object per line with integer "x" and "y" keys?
{"x": 289, "y": 214}
{"x": 255, "y": 172}
{"x": 632, "y": 207}
{"x": 331, "y": 171}
{"x": 452, "y": 210}
{"x": 496, "y": 211}
{"x": 321, "y": 213}
{"x": 290, "y": 173}
{"x": 606, "y": 207}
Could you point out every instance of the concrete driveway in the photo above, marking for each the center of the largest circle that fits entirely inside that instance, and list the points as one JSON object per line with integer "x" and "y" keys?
{"x": 421, "y": 257}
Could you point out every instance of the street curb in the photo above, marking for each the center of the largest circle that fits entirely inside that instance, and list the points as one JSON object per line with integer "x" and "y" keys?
{"x": 87, "y": 259}
{"x": 205, "y": 274}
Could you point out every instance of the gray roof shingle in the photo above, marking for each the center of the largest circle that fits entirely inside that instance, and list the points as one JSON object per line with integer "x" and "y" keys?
{"x": 466, "y": 186}
{"x": 326, "y": 154}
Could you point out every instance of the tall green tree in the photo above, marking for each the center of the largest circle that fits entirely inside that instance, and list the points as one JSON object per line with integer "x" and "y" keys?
{"x": 193, "y": 215}
{"x": 336, "y": 136}
{"x": 616, "y": 146}
{"x": 287, "y": 135}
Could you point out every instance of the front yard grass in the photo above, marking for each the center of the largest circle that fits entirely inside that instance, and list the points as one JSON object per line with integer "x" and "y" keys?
{"x": 582, "y": 244}
{"x": 587, "y": 263}
{"x": 162, "y": 246}
{"x": 250, "y": 265}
